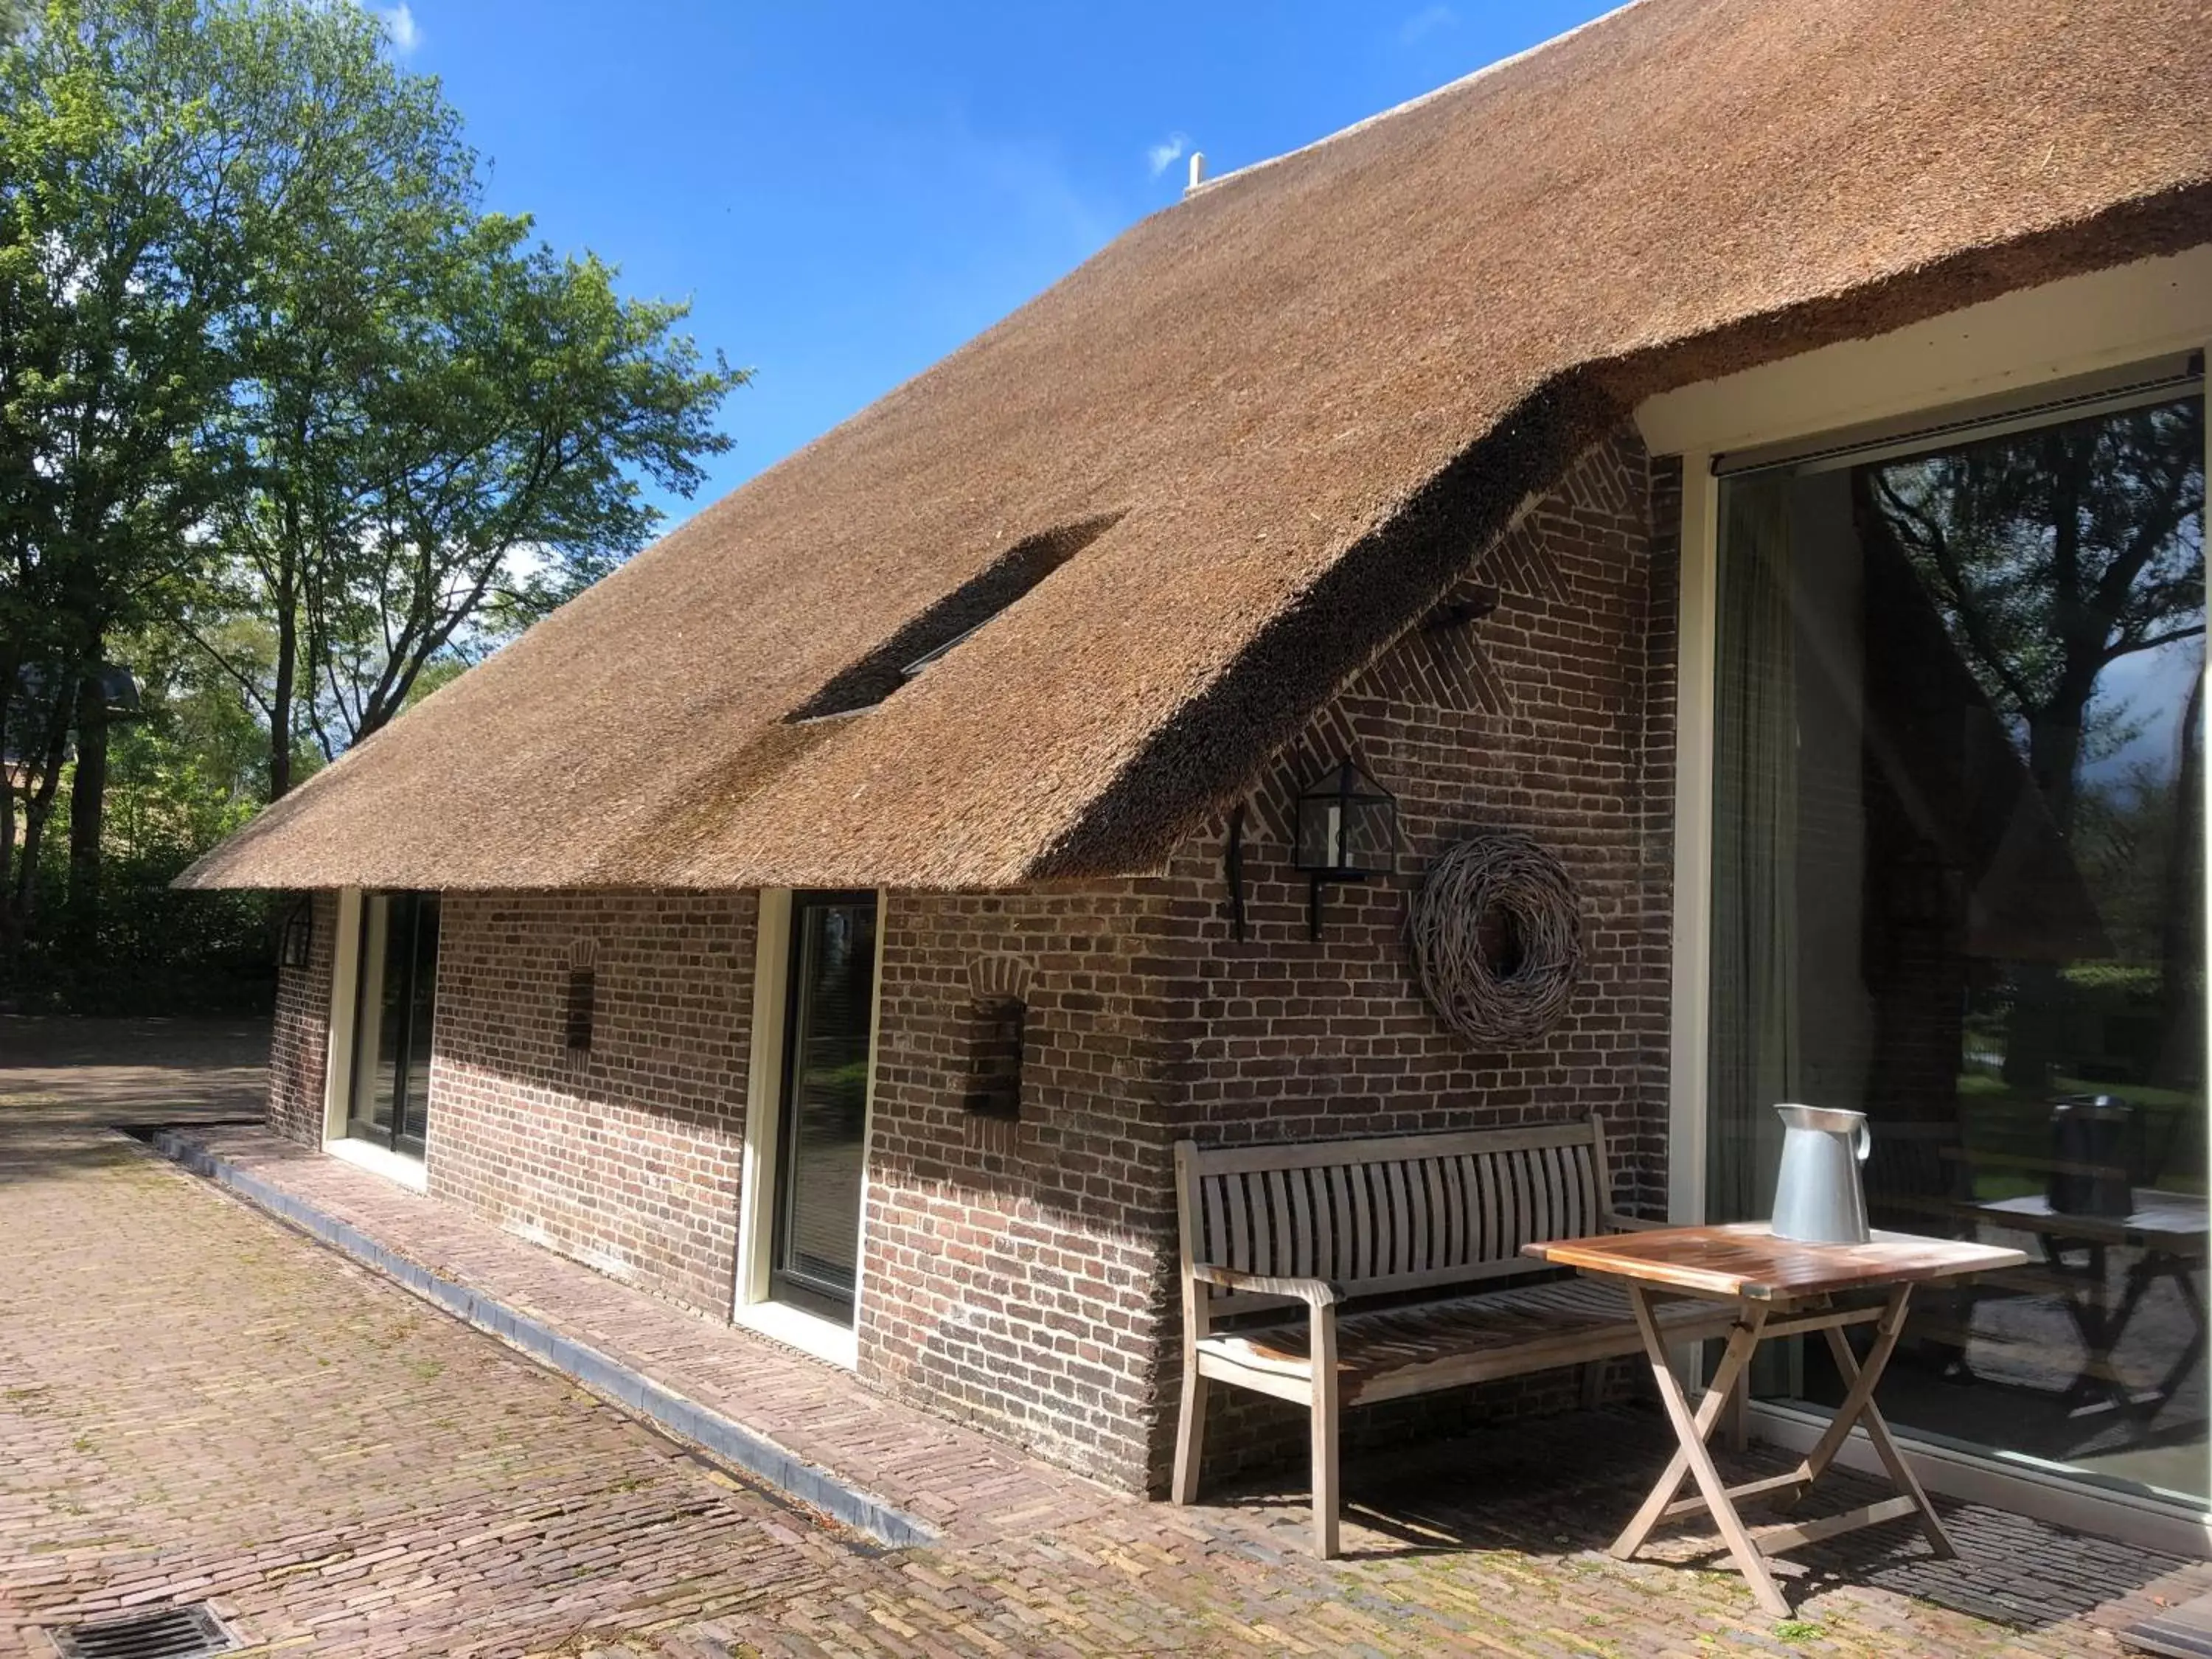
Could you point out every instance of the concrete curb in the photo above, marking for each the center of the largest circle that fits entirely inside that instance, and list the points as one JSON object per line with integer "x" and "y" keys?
{"x": 729, "y": 1441}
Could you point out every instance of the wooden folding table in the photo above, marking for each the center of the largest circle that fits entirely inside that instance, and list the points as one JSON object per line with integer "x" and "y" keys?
{"x": 1783, "y": 1289}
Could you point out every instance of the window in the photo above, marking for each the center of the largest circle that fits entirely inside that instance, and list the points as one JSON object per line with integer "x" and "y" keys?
{"x": 1957, "y": 883}
{"x": 823, "y": 1114}
{"x": 388, "y": 1105}
{"x": 937, "y": 630}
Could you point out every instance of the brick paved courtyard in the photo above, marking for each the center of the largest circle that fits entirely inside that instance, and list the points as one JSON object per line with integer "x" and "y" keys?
{"x": 197, "y": 1402}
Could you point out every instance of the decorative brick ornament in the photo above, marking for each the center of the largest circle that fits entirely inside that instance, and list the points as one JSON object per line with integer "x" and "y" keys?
{"x": 582, "y": 997}
{"x": 1000, "y": 975}
{"x": 1496, "y": 933}
{"x": 998, "y": 1019}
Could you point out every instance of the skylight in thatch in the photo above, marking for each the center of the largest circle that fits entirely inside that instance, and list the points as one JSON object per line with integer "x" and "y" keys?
{"x": 952, "y": 620}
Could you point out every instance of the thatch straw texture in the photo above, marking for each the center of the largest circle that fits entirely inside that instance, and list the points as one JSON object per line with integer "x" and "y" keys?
{"x": 1307, "y": 392}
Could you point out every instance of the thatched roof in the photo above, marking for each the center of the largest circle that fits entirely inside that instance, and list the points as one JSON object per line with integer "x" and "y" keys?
{"x": 1251, "y": 439}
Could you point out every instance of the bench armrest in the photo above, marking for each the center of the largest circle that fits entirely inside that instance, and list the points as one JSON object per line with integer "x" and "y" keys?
{"x": 1315, "y": 1293}
{"x": 1633, "y": 1223}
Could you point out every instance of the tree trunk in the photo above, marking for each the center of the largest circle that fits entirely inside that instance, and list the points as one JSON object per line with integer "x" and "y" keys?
{"x": 87, "y": 796}
{"x": 9, "y": 932}
{"x": 39, "y": 799}
{"x": 287, "y": 668}
{"x": 2035, "y": 1033}
{"x": 10, "y": 666}
{"x": 2036, "y": 1037}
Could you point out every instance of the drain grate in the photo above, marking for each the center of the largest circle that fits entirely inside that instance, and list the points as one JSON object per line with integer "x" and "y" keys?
{"x": 159, "y": 1633}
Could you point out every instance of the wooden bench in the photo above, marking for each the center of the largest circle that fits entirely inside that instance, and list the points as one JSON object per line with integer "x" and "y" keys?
{"x": 1327, "y": 1222}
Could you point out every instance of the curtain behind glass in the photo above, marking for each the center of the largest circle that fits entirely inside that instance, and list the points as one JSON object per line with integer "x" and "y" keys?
{"x": 1753, "y": 1058}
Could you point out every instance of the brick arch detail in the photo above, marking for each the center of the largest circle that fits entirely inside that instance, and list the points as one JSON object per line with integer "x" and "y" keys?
{"x": 998, "y": 976}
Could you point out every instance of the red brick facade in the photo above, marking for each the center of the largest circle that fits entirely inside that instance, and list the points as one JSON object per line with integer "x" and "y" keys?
{"x": 1537, "y": 718}
{"x": 299, "y": 1049}
{"x": 1013, "y": 1275}
{"x": 1019, "y": 1274}
{"x": 1551, "y": 715}
{"x": 628, "y": 1155}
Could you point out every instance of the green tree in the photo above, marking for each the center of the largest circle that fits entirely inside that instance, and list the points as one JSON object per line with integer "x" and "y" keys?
{"x": 276, "y": 392}
{"x": 309, "y": 341}
{"x": 442, "y": 454}
{"x": 154, "y": 154}
{"x": 2052, "y": 557}
{"x": 118, "y": 190}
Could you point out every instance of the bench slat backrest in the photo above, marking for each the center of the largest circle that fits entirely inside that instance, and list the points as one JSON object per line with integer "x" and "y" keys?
{"x": 1397, "y": 1213}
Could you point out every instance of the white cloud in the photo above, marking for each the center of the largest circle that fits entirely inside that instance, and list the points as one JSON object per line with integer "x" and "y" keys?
{"x": 399, "y": 24}
{"x": 1424, "y": 22}
{"x": 1161, "y": 157}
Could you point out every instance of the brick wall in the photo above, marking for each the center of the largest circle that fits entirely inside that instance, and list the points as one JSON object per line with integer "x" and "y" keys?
{"x": 1539, "y": 717}
{"x": 1553, "y": 714}
{"x": 1015, "y": 1275}
{"x": 299, "y": 1045}
{"x": 626, "y": 1157}
{"x": 1026, "y": 1280}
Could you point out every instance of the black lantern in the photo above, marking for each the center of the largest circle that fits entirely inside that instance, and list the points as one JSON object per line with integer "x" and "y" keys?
{"x": 298, "y": 932}
{"x": 1347, "y": 831}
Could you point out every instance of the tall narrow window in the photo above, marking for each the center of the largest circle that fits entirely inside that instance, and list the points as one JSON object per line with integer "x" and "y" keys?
{"x": 822, "y": 1138}
{"x": 389, "y": 1104}
{"x": 577, "y": 1005}
{"x": 1958, "y": 869}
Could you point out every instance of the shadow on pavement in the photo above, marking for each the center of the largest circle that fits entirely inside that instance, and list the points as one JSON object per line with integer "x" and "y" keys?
{"x": 113, "y": 1073}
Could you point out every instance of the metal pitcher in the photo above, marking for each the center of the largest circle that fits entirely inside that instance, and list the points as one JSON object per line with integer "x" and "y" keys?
{"x": 1818, "y": 1197}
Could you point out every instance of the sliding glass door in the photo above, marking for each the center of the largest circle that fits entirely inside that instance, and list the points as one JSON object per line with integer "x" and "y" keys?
{"x": 821, "y": 1136}
{"x": 397, "y": 984}
{"x": 1958, "y": 885}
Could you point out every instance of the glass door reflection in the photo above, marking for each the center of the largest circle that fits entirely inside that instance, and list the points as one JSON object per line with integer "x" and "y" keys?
{"x": 821, "y": 1144}
{"x": 398, "y": 987}
{"x": 1958, "y": 869}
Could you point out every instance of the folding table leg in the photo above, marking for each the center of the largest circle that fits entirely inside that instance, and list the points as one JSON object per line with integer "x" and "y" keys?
{"x": 2098, "y": 1324}
{"x": 1858, "y": 1390}
{"x": 1692, "y": 1429}
{"x": 1861, "y": 1381}
{"x": 1735, "y": 1357}
{"x": 2142, "y": 1279}
{"x": 1736, "y": 1416}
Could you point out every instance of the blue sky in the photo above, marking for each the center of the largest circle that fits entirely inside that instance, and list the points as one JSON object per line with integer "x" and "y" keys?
{"x": 846, "y": 192}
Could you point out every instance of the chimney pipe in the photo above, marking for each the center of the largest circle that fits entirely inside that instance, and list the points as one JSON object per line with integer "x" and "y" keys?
{"x": 1197, "y": 168}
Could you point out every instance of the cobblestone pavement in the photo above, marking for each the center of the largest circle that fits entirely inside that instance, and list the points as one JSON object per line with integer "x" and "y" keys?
{"x": 196, "y": 1401}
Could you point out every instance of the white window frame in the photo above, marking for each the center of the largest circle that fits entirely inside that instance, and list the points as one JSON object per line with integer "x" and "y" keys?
{"x": 345, "y": 991}
{"x": 412, "y": 1173}
{"x": 751, "y": 1305}
{"x": 2137, "y": 313}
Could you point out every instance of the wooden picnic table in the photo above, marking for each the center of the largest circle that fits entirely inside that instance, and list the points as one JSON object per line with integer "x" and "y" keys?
{"x": 1783, "y": 1288}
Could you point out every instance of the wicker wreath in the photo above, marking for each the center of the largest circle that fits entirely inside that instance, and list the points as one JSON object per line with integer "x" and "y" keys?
{"x": 1499, "y": 884}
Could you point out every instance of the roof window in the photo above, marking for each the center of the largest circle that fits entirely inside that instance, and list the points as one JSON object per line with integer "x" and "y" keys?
{"x": 953, "y": 619}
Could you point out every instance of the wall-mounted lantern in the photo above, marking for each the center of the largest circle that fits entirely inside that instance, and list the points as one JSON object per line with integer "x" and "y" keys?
{"x": 1347, "y": 830}
{"x": 298, "y": 935}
